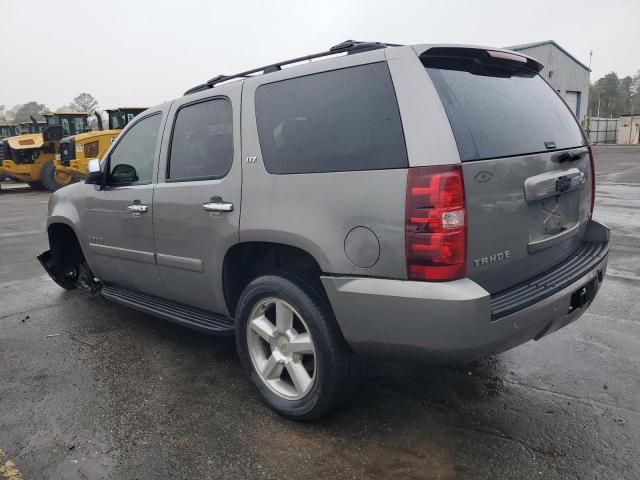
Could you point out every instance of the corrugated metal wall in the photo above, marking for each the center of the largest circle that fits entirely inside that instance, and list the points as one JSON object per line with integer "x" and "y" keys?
{"x": 567, "y": 74}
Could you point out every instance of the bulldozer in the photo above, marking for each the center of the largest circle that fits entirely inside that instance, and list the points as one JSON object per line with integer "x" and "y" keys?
{"x": 29, "y": 157}
{"x": 77, "y": 150}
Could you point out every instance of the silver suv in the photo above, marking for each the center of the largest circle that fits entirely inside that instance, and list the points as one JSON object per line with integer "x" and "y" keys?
{"x": 373, "y": 200}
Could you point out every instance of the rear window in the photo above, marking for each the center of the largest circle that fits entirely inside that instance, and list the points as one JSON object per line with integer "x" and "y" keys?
{"x": 333, "y": 121}
{"x": 504, "y": 116}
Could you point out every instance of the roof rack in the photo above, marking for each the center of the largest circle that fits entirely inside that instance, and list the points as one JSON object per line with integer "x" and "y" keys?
{"x": 348, "y": 46}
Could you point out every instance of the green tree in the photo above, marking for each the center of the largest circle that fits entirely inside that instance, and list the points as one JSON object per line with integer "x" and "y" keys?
{"x": 635, "y": 91}
{"x": 611, "y": 96}
{"x": 84, "y": 103}
{"x": 24, "y": 112}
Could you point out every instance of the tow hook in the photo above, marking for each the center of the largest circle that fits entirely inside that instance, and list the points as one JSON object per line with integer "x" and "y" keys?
{"x": 582, "y": 297}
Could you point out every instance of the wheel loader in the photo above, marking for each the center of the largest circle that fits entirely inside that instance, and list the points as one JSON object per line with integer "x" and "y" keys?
{"x": 7, "y": 130}
{"x": 77, "y": 150}
{"x": 34, "y": 126}
{"x": 30, "y": 157}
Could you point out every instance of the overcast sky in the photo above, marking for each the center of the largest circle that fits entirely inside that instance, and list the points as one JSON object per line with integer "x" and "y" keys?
{"x": 143, "y": 52}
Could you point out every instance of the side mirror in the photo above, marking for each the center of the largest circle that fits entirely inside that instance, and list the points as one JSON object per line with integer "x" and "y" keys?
{"x": 94, "y": 174}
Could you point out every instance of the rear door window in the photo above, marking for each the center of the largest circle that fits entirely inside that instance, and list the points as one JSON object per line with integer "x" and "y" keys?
{"x": 333, "y": 121}
{"x": 202, "y": 141}
{"x": 493, "y": 116}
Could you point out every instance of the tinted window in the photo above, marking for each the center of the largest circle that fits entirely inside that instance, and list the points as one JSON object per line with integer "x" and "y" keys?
{"x": 131, "y": 160}
{"x": 503, "y": 116}
{"x": 202, "y": 142}
{"x": 330, "y": 122}
{"x": 66, "y": 129}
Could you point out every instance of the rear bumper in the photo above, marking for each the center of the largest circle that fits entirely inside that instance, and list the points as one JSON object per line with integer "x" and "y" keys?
{"x": 456, "y": 322}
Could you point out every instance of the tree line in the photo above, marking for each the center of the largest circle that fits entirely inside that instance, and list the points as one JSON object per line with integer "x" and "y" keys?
{"x": 85, "y": 102}
{"x": 611, "y": 96}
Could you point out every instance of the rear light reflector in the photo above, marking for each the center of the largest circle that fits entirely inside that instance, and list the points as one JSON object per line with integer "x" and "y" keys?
{"x": 435, "y": 223}
{"x": 593, "y": 181}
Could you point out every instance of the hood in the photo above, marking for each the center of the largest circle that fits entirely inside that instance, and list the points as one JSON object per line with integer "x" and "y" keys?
{"x": 23, "y": 142}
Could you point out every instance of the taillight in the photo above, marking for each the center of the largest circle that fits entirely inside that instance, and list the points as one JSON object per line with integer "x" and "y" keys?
{"x": 435, "y": 225}
{"x": 593, "y": 181}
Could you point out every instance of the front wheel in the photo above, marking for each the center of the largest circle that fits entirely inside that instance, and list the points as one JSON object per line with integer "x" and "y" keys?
{"x": 54, "y": 179}
{"x": 292, "y": 348}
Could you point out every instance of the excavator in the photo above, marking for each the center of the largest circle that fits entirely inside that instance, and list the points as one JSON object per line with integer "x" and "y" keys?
{"x": 30, "y": 157}
{"x": 77, "y": 150}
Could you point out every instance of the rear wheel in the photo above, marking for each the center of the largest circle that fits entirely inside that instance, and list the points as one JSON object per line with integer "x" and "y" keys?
{"x": 53, "y": 179}
{"x": 292, "y": 348}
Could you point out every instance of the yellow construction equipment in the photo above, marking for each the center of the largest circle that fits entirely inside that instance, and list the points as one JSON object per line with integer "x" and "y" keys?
{"x": 77, "y": 150}
{"x": 29, "y": 157}
{"x": 9, "y": 130}
{"x": 34, "y": 126}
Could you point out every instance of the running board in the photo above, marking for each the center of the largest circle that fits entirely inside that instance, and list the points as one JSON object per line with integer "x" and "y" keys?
{"x": 191, "y": 317}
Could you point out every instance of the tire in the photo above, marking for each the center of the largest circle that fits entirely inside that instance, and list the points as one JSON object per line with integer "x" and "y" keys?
{"x": 334, "y": 370}
{"x": 37, "y": 186}
{"x": 48, "y": 177}
{"x": 3, "y": 177}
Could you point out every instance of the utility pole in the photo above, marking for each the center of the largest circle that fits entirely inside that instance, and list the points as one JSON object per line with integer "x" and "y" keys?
{"x": 631, "y": 118}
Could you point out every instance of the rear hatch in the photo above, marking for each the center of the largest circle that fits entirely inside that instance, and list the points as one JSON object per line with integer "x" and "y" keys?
{"x": 526, "y": 167}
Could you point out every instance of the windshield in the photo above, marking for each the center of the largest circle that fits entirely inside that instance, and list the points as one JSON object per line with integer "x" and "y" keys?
{"x": 495, "y": 116}
{"x": 116, "y": 120}
{"x": 120, "y": 119}
{"x": 70, "y": 125}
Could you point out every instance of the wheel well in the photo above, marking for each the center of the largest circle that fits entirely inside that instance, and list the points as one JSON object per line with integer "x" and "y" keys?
{"x": 64, "y": 245}
{"x": 246, "y": 261}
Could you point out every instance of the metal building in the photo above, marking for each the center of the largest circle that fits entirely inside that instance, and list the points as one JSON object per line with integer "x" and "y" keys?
{"x": 568, "y": 75}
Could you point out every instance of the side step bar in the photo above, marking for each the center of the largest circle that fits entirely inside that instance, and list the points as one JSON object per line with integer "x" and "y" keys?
{"x": 191, "y": 317}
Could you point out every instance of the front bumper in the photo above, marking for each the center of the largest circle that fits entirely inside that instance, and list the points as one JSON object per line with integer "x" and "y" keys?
{"x": 456, "y": 322}
{"x": 76, "y": 168}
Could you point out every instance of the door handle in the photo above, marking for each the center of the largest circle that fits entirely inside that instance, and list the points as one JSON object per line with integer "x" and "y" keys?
{"x": 138, "y": 208}
{"x": 218, "y": 207}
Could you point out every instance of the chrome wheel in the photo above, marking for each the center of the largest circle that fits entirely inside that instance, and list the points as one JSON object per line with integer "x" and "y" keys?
{"x": 281, "y": 348}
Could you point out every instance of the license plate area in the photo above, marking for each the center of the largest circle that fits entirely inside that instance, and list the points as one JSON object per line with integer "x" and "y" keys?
{"x": 553, "y": 200}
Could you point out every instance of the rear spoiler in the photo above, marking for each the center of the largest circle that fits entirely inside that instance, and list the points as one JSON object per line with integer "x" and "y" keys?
{"x": 481, "y": 61}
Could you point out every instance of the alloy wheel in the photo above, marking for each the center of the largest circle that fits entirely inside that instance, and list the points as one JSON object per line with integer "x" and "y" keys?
{"x": 281, "y": 348}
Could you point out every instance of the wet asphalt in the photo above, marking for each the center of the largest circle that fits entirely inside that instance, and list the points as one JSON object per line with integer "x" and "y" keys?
{"x": 92, "y": 390}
